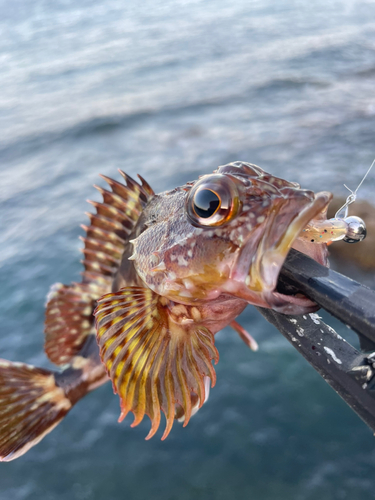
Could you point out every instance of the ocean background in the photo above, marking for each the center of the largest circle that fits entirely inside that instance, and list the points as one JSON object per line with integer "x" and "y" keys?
{"x": 171, "y": 90}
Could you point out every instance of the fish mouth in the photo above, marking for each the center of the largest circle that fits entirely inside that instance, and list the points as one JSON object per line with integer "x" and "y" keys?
{"x": 281, "y": 231}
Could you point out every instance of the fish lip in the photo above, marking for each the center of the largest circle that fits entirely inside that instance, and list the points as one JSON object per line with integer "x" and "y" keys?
{"x": 272, "y": 259}
{"x": 291, "y": 304}
{"x": 266, "y": 265}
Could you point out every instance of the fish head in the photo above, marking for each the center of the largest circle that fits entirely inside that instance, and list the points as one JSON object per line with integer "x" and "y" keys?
{"x": 228, "y": 234}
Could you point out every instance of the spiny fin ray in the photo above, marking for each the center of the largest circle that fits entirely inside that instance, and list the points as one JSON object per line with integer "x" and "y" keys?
{"x": 114, "y": 220}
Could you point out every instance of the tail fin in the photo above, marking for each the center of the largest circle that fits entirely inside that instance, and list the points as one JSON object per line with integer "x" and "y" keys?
{"x": 31, "y": 405}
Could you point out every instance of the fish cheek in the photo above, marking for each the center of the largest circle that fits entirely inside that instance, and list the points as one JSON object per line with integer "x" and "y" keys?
{"x": 194, "y": 272}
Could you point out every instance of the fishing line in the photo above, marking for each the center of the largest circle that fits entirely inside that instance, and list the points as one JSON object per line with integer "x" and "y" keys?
{"x": 352, "y": 197}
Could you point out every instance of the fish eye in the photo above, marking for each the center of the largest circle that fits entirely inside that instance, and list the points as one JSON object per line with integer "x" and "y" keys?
{"x": 212, "y": 201}
{"x": 206, "y": 203}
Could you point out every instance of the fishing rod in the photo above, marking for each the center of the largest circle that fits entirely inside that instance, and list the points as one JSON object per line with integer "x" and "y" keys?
{"x": 350, "y": 372}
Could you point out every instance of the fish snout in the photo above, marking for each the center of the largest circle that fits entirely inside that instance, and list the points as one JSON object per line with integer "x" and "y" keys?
{"x": 277, "y": 234}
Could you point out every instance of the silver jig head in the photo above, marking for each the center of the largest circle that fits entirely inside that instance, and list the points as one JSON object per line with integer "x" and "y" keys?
{"x": 356, "y": 231}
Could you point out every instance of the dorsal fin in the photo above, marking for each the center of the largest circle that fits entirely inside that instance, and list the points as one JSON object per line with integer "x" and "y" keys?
{"x": 69, "y": 308}
{"x": 110, "y": 227}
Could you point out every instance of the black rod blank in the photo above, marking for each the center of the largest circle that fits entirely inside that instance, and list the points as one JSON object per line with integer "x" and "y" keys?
{"x": 348, "y": 371}
{"x": 346, "y": 299}
{"x": 351, "y": 373}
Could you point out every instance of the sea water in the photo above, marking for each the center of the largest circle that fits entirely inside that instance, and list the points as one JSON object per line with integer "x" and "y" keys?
{"x": 171, "y": 90}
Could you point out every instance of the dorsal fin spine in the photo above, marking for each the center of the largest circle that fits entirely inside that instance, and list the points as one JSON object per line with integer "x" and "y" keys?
{"x": 103, "y": 235}
{"x": 146, "y": 186}
{"x": 100, "y": 245}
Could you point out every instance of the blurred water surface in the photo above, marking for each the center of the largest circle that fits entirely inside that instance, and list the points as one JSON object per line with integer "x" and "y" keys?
{"x": 172, "y": 89}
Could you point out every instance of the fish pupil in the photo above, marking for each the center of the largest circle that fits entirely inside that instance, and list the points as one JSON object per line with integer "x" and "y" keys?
{"x": 206, "y": 203}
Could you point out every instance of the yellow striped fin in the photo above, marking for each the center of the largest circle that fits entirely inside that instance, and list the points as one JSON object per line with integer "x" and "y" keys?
{"x": 156, "y": 363}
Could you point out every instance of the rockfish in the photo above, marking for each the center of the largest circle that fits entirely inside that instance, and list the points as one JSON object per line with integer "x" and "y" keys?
{"x": 162, "y": 274}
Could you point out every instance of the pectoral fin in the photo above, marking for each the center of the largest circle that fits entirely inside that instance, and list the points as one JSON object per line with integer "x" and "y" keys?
{"x": 155, "y": 354}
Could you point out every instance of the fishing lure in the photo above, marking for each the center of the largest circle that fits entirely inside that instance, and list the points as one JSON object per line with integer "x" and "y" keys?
{"x": 163, "y": 273}
{"x": 351, "y": 229}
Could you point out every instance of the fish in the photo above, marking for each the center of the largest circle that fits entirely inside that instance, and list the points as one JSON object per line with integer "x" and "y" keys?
{"x": 163, "y": 273}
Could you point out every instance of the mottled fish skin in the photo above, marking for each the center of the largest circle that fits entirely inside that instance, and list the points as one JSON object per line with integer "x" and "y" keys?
{"x": 189, "y": 263}
{"x": 166, "y": 274}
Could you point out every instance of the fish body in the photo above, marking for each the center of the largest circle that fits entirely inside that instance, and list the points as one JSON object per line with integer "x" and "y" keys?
{"x": 163, "y": 274}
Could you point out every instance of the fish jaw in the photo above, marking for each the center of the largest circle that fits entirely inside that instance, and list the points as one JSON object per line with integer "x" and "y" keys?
{"x": 255, "y": 274}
